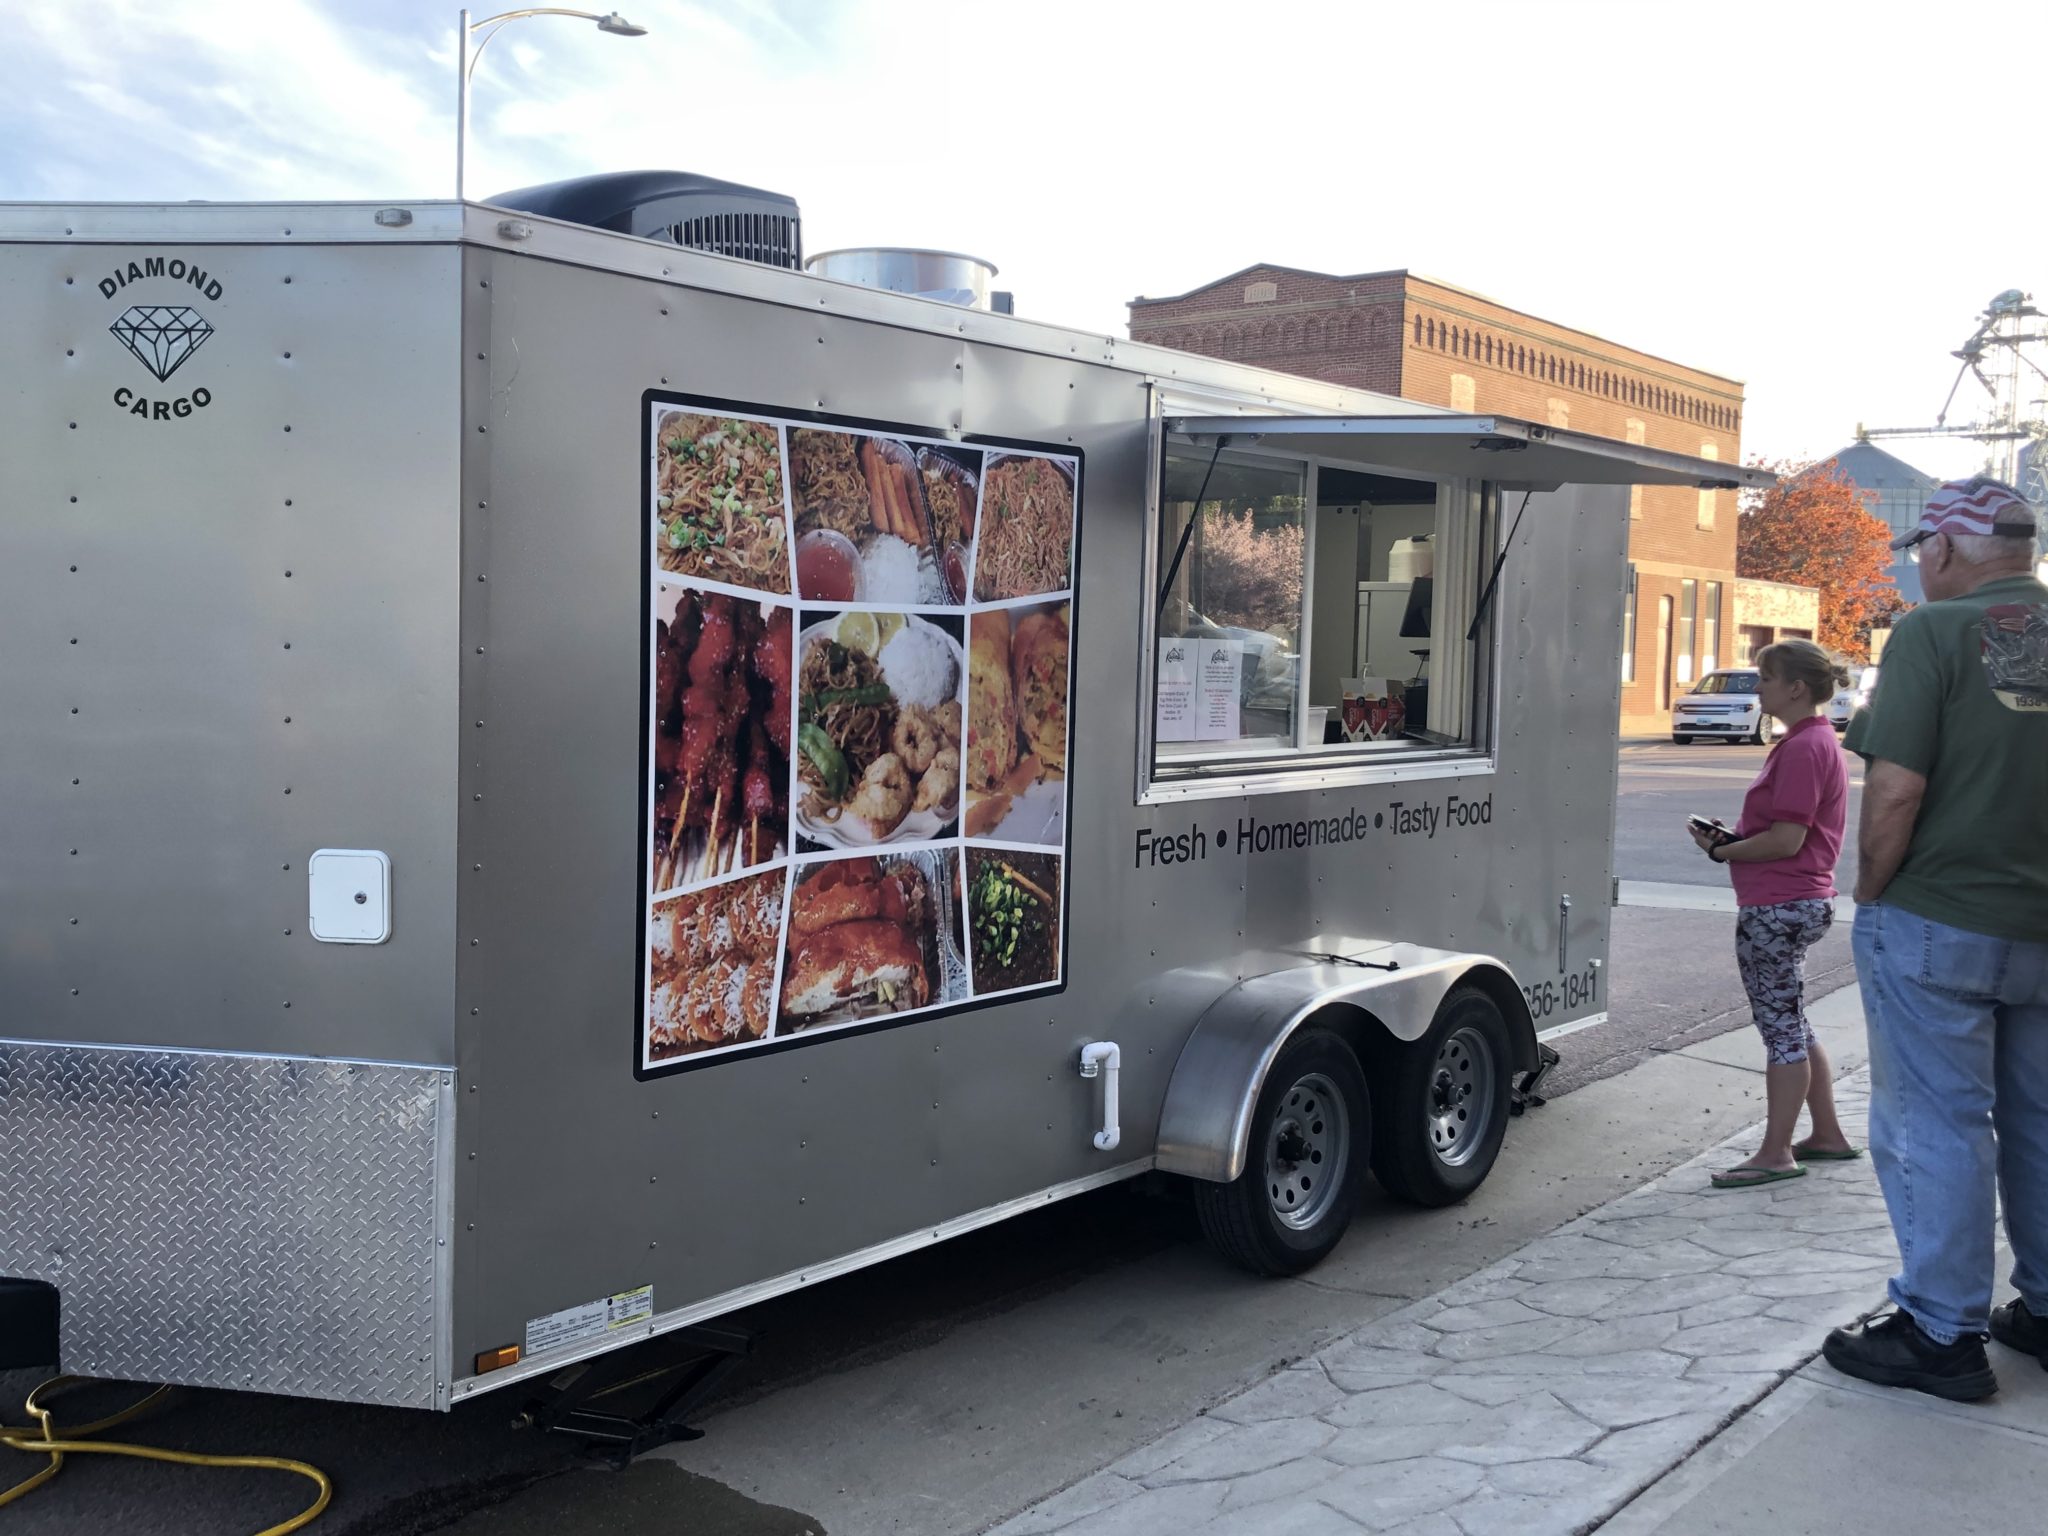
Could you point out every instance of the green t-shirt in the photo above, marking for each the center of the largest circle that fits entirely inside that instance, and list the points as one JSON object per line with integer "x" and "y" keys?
{"x": 1962, "y": 697}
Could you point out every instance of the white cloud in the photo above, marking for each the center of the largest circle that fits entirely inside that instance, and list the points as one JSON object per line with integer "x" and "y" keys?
{"x": 1755, "y": 188}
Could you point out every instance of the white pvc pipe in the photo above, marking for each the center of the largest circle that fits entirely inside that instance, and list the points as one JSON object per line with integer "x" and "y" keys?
{"x": 1103, "y": 1056}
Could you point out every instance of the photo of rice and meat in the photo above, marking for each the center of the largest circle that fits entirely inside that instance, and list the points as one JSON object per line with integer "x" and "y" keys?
{"x": 1027, "y": 528}
{"x": 878, "y": 729}
{"x": 1013, "y": 919}
{"x": 711, "y": 966}
{"x": 718, "y": 500}
{"x": 871, "y": 936}
{"x": 878, "y": 521}
{"x": 721, "y": 734}
{"x": 1017, "y": 689}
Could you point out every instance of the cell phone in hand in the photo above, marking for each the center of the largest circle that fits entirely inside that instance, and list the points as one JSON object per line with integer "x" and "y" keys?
{"x": 1710, "y": 829}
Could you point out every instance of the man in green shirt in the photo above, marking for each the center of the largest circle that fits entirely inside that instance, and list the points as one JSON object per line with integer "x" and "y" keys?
{"x": 1951, "y": 944}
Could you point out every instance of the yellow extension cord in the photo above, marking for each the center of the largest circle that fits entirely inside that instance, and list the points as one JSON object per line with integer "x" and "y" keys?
{"x": 46, "y": 1442}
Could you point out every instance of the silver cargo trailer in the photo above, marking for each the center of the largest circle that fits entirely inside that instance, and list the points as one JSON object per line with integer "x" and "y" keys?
{"x": 558, "y": 786}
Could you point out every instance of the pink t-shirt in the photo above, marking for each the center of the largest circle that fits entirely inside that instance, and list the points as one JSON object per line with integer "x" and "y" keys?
{"x": 1805, "y": 780}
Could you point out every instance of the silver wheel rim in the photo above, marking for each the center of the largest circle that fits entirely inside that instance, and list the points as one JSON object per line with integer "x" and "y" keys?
{"x": 1307, "y": 1150}
{"x": 1461, "y": 1098}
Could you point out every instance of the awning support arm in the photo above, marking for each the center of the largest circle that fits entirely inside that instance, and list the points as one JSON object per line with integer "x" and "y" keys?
{"x": 1180, "y": 550}
{"x": 1493, "y": 581}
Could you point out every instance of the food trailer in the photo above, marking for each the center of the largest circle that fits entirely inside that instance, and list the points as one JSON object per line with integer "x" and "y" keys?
{"x": 562, "y": 786}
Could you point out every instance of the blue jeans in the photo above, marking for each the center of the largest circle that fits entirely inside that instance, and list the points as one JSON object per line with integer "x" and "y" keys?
{"x": 1958, "y": 1110}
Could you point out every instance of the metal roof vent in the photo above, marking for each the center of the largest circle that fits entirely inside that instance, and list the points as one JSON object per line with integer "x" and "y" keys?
{"x": 695, "y": 211}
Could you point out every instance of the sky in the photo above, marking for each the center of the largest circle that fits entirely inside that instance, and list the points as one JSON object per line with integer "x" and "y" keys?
{"x": 1814, "y": 196}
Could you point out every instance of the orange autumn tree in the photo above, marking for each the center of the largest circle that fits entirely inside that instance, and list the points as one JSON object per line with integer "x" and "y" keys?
{"x": 1814, "y": 529}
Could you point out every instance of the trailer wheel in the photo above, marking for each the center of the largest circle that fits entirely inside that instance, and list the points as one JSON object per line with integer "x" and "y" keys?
{"x": 1310, "y": 1133}
{"x": 1444, "y": 1107}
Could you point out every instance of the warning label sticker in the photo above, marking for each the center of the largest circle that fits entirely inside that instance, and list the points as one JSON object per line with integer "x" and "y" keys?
{"x": 591, "y": 1320}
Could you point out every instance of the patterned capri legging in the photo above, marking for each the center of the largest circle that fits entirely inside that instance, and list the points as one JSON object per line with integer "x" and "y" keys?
{"x": 1770, "y": 949}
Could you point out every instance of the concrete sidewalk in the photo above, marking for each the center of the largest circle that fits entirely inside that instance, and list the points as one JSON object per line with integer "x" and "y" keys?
{"x": 1649, "y": 1367}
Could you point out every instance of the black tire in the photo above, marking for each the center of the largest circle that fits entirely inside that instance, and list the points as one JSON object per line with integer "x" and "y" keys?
{"x": 1761, "y": 736}
{"x": 1681, "y": 741}
{"x": 1243, "y": 1219}
{"x": 1439, "y": 1115}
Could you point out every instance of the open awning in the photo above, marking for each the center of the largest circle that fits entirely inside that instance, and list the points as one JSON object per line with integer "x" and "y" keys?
{"x": 1516, "y": 455}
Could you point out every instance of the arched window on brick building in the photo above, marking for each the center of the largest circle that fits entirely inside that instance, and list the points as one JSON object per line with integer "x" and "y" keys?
{"x": 1418, "y": 330}
{"x": 1312, "y": 334}
{"x": 1290, "y": 335}
{"x": 1269, "y": 337}
{"x": 1432, "y": 332}
{"x": 1354, "y": 331}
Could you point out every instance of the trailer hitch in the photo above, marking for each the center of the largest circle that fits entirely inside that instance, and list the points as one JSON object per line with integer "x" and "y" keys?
{"x": 1524, "y": 1095}
{"x": 703, "y": 1356}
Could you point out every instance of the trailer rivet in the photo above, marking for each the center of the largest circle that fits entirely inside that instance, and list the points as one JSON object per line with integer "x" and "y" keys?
{"x": 287, "y": 575}
{"x": 74, "y": 854}
{"x": 287, "y": 933}
{"x": 74, "y": 781}
{"x": 799, "y": 1199}
{"x": 74, "y": 709}
{"x": 74, "y": 501}
{"x": 472, "y": 1087}
{"x": 74, "y": 569}
{"x": 287, "y": 645}
{"x": 287, "y": 354}
{"x": 74, "y": 426}
{"x": 287, "y": 1002}
{"x": 74, "y": 991}
{"x": 74, "y": 922}
{"x": 287, "y": 426}
{"x": 70, "y": 352}
{"x": 473, "y": 943}
{"x": 476, "y": 797}
{"x": 287, "y": 789}
{"x": 480, "y": 576}
{"x": 474, "y": 1012}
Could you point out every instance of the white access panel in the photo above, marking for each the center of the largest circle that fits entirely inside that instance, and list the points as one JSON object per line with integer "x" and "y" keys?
{"x": 349, "y": 895}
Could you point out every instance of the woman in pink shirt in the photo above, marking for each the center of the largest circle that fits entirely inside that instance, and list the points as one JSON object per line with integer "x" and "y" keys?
{"x": 1782, "y": 857}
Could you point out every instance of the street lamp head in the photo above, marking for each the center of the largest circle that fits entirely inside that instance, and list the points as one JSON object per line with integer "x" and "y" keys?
{"x": 618, "y": 26}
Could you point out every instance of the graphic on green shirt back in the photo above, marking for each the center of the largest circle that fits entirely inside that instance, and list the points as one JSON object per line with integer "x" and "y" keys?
{"x": 2015, "y": 650}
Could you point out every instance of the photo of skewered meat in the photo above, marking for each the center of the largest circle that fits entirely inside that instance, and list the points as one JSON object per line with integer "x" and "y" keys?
{"x": 711, "y": 966}
{"x": 872, "y": 936}
{"x": 721, "y": 735}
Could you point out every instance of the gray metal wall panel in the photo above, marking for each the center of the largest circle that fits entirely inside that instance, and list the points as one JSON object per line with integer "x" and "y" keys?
{"x": 229, "y": 1221}
{"x": 588, "y": 1182}
{"x": 152, "y": 863}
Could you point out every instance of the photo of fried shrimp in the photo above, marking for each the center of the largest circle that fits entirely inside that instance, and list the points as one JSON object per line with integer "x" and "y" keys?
{"x": 718, "y": 513}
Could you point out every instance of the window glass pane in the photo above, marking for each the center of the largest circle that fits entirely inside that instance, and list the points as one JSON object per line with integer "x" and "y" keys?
{"x": 1229, "y": 662}
{"x": 1688, "y": 612}
{"x": 1313, "y": 609}
{"x": 1710, "y": 636}
{"x": 1628, "y": 629}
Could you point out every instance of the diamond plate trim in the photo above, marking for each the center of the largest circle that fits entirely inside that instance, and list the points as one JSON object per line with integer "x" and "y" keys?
{"x": 266, "y": 1224}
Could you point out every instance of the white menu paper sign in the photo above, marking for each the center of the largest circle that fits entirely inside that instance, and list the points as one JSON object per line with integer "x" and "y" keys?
{"x": 1217, "y": 690}
{"x": 1174, "y": 717}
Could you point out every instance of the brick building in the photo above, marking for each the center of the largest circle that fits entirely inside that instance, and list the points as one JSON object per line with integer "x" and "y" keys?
{"x": 1400, "y": 334}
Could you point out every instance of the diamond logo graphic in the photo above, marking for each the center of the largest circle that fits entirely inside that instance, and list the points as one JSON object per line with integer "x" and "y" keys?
{"x": 161, "y": 336}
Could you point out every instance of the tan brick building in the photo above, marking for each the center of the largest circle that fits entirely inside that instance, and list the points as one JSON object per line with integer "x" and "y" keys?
{"x": 1400, "y": 334}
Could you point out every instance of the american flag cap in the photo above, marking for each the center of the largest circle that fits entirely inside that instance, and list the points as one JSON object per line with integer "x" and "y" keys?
{"x": 1979, "y": 504}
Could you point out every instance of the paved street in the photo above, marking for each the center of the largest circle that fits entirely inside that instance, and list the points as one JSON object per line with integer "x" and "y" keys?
{"x": 991, "y": 1371}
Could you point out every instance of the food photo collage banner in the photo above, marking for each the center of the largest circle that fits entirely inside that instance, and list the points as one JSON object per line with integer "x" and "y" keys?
{"x": 858, "y": 682}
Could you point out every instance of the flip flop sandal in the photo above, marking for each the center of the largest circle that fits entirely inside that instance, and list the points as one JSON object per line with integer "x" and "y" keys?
{"x": 1813, "y": 1155}
{"x": 1750, "y": 1178}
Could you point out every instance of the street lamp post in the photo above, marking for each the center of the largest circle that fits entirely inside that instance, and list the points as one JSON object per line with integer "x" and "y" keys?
{"x": 472, "y": 38}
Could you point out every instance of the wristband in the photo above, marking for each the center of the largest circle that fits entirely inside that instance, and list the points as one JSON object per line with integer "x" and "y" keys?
{"x": 1713, "y": 854}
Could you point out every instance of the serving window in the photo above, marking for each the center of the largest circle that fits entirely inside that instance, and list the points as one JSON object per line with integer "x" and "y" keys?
{"x": 1314, "y": 616}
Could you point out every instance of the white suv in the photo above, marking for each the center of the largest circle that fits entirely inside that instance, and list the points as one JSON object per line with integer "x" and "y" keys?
{"x": 1724, "y": 704}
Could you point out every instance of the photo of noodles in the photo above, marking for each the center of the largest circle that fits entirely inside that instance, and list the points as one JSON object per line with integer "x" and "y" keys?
{"x": 865, "y": 529}
{"x": 718, "y": 513}
{"x": 829, "y": 489}
{"x": 711, "y": 966}
{"x": 720, "y": 734}
{"x": 1018, "y": 681}
{"x": 872, "y": 936}
{"x": 1026, "y": 528}
{"x": 878, "y": 729}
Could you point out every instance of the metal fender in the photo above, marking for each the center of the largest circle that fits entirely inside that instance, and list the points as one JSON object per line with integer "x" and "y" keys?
{"x": 1205, "y": 1122}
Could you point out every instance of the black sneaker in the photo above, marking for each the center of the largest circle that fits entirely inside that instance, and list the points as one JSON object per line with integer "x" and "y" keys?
{"x": 1893, "y": 1352}
{"x": 2017, "y": 1328}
